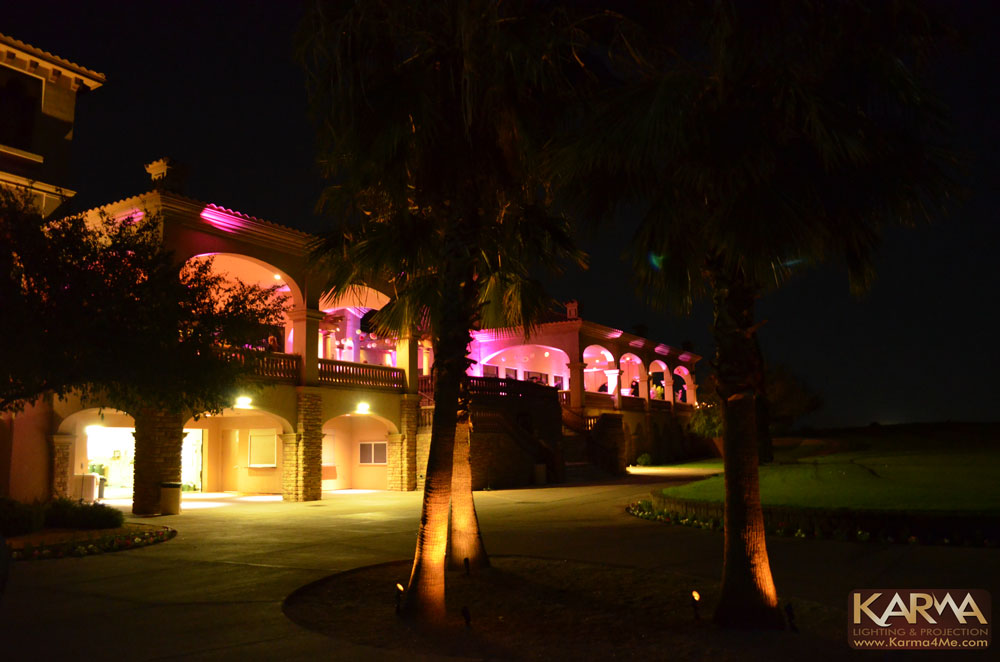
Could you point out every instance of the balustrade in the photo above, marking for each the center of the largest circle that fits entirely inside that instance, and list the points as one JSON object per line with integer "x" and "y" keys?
{"x": 343, "y": 373}
{"x": 273, "y": 366}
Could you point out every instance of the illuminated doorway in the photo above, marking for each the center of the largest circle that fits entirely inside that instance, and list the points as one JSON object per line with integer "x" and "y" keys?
{"x": 111, "y": 454}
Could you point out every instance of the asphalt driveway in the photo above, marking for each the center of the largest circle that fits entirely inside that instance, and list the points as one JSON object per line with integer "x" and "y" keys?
{"x": 215, "y": 591}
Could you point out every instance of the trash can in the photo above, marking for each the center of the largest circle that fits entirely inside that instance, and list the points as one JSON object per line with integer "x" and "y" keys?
{"x": 100, "y": 487}
{"x": 540, "y": 471}
{"x": 88, "y": 487}
{"x": 170, "y": 498}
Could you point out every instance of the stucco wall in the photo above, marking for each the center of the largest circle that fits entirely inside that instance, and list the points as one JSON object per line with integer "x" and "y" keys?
{"x": 29, "y": 474}
{"x": 346, "y": 433}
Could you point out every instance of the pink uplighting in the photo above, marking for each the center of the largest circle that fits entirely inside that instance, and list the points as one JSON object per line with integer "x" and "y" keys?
{"x": 222, "y": 220}
{"x": 131, "y": 216}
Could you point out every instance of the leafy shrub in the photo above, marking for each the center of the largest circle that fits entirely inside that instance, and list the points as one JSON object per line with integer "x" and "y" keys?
{"x": 68, "y": 514}
{"x": 18, "y": 518}
{"x": 644, "y": 460}
{"x": 706, "y": 421}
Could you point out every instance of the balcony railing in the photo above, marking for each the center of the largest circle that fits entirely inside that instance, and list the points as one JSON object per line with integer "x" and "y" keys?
{"x": 273, "y": 366}
{"x": 343, "y": 373}
{"x": 489, "y": 387}
{"x": 598, "y": 400}
{"x": 633, "y": 403}
{"x": 659, "y": 405}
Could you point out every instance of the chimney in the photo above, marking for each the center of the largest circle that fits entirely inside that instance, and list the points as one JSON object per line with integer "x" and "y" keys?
{"x": 572, "y": 310}
{"x": 167, "y": 175}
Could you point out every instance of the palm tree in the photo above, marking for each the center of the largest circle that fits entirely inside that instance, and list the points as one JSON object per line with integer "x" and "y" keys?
{"x": 429, "y": 114}
{"x": 755, "y": 138}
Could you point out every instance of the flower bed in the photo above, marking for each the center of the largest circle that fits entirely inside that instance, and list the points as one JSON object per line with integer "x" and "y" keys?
{"x": 54, "y": 544}
{"x": 835, "y": 524}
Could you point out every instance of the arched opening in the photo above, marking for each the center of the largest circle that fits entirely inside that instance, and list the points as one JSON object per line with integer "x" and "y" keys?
{"x": 633, "y": 376}
{"x": 345, "y": 334}
{"x": 597, "y": 361}
{"x": 239, "y": 450}
{"x": 683, "y": 386}
{"x": 103, "y": 444}
{"x": 252, "y": 271}
{"x": 356, "y": 452}
{"x": 531, "y": 363}
{"x": 660, "y": 388}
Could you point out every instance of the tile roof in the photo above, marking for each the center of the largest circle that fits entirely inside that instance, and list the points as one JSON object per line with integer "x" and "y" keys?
{"x": 52, "y": 59}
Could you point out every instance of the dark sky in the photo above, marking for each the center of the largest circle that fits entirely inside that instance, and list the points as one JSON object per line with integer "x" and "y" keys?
{"x": 214, "y": 85}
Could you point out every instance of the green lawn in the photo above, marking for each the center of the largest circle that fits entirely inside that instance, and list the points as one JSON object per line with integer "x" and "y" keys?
{"x": 912, "y": 467}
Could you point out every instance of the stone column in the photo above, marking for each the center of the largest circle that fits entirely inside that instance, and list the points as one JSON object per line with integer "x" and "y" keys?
{"x": 291, "y": 467}
{"x": 395, "y": 462}
{"x": 614, "y": 390}
{"x": 62, "y": 461}
{"x": 159, "y": 437}
{"x": 644, "y": 387}
{"x": 576, "y": 388}
{"x": 409, "y": 406}
{"x": 406, "y": 358}
{"x": 305, "y": 341}
{"x": 302, "y": 460}
{"x": 426, "y": 368}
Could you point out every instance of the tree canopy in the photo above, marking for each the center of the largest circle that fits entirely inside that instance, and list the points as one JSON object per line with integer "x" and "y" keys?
{"x": 97, "y": 306}
{"x": 431, "y": 117}
{"x": 755, "y": 138}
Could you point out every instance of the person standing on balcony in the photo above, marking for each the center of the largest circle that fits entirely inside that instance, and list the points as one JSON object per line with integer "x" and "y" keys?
{"x": 272, "y": 344}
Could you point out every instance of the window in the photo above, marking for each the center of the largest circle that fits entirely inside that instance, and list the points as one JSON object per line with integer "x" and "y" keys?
{"x": 490, "y": 371}
{"x": 263, "y": 448}
{"x": 536, "y": 377}
{"x": 20, "y": 107}
{"x": 510, "y": 373}
{"x": 373, "y": 452}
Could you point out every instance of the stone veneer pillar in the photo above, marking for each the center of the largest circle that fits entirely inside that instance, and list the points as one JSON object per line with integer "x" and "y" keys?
{"x": 62, "y": 460}
{"x": 158, "y": 439}
{"x": 302, "y": 457}
{"x": 402, "y": 447}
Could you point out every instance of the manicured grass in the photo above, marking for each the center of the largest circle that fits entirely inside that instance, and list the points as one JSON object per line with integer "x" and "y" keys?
{"x": 702, "y": 464}
{"x": 947, "y": 467}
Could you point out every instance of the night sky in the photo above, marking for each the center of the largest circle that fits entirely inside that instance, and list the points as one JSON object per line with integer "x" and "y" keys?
{"x": 215, "y": 86}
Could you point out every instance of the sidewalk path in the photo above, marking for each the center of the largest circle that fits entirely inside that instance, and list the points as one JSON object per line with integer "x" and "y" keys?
{"x": 215, "y": 591}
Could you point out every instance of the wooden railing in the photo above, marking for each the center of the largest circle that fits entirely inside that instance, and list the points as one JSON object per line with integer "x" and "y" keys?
{"x": 273, "y": 366}
{"x": 343, "y": 373}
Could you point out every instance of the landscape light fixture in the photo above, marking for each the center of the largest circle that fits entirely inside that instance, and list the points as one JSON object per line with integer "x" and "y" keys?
{"x": 362, "y": 408}
{"x": 695, "y": 597}
{"x": 243, "y": 402}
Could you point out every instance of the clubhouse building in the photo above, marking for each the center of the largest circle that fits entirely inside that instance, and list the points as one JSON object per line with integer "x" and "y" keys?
{"x": 336, "y": 406}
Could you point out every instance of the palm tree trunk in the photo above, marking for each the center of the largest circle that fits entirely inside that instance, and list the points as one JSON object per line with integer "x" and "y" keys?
{"x": 748, "y": 597}
{"x": 425, "y": 594}
{"x": 466, "y": 541}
